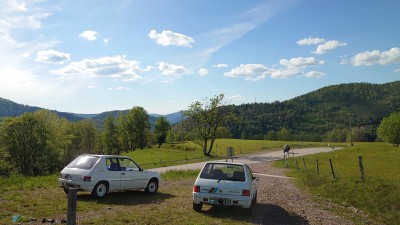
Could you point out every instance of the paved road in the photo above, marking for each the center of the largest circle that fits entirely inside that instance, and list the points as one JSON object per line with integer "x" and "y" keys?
{"x": 250, "y": 159}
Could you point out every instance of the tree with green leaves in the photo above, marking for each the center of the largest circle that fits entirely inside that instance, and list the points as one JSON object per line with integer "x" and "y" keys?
{"x": 161, "y": 128}
{"x": 389, "y": 129}
{"x": 138, "y": 127}
{"x": 205, "y": 118}
{"x": 110, "y": 136}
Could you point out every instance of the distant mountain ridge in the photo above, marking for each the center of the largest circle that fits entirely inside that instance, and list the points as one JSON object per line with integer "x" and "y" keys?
{"x": 9, "y": 108}
{"x": 341, "y": 106}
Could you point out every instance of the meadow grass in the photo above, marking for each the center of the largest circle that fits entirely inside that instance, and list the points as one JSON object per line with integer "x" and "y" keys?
{"x": 378, "y": 195}
{"x": 175, "y": 154}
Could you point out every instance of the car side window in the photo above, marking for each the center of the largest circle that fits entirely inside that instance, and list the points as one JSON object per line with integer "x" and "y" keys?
{"x": 128, "y": 165}
{"x": 112, "y": 164}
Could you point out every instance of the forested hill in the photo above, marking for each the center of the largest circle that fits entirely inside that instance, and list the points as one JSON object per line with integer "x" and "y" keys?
{"x": 356, "y": 105}
{"x": 9, "y": 108}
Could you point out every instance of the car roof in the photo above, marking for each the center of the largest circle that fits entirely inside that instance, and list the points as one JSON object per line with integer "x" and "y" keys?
{"x": 106, "y": 156}
{"x": 227, "y": 163}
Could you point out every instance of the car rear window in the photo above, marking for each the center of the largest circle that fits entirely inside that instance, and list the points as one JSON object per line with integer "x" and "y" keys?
{"x": 219, "y": 171}
{"x": 83, "y": 162}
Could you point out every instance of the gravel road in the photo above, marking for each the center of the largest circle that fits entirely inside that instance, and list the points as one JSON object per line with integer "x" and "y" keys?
{"x": 279, "y": 200}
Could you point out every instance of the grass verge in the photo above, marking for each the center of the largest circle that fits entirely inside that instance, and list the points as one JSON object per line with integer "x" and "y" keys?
{"x": 378, "y": 196}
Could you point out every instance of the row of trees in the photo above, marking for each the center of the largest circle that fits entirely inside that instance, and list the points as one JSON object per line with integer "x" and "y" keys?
{"x": 42, "y": 142}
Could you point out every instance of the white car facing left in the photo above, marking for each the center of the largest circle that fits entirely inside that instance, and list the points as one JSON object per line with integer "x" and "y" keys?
{"x": 100, "y": 174}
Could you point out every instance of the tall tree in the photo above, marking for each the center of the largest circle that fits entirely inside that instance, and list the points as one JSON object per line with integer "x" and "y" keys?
{"x": 110, "y": 136}
{"x": 389, "y": 129}
{"x": 206, "y": 118}
{"x": 138, "y": 127}
{"x": 161, "y": 129}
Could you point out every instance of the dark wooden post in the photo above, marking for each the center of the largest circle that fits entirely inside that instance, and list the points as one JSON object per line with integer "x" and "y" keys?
{"x": 316, "y": 161}
{"x": 71, "y": 216}
{"x": 297, "y": 165}
{"x": 360, "y": 164}
{"x": 333, "y": 172}
{"x": 304, "y": 163}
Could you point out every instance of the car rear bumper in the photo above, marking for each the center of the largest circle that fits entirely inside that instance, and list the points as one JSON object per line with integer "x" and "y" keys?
{"x": 63, "y": 183}
{"x": 226, "y": 200}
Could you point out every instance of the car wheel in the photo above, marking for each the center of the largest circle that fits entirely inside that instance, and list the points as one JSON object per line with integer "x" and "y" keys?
{"x": 100, "y": 190}
{"x": 255, "y": 200}
{"x": 66, "y": 190}
{"x": 152, "y": 186}
{"x": 197, "y": 207}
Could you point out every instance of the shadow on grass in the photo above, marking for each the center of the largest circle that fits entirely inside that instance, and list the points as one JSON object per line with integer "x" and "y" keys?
{"x": 126, "y": 198}
{"x": 262, "y": 214}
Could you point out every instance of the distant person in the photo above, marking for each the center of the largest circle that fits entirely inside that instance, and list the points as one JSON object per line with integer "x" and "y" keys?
{"x": 286, "y": 148}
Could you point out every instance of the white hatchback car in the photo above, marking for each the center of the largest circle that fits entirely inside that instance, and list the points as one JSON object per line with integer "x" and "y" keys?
{"x": 100, "y": 174}
{"x": 228, "y": 184}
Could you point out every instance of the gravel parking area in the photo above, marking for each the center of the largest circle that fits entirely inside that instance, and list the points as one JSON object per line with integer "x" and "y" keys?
{"x": 280, "y": 202}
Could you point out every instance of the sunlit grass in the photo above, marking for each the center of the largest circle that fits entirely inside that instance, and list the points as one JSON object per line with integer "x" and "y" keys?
{"x": 378, "y": 195}
{"x": 175, "y": 154}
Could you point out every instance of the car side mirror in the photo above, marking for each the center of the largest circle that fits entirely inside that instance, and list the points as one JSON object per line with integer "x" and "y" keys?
{"x": 256, "y": 178}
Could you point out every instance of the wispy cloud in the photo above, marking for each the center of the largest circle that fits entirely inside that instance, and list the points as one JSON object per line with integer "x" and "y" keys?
{"x": 52, "y": 56}
{"x": 167, "y": 38}
{"x": 369, "y": 58}
{"x": 220, "y": 65}
{"x": 310, "y": 41}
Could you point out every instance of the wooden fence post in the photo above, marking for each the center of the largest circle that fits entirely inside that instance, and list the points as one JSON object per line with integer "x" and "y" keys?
{"x": 71, "y": 216}
{"x": 333, "y": 172}
{"x": 360, "y": 164}
{"x": 316, "y": 161}
{"x": 297, "y": 165}
{"x": 304, "y": 163}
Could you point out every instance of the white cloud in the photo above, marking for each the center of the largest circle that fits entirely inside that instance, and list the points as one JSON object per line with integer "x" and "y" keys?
{"x": 203, "y": 72}
{"x": 397, "y": 70}
{"x": 106, "y": 40}
{"x": 89, "y": 35}
{"x": 328, "y": 46}
{"x": 172, "y": 70}
{"x": 251, "y": 72}
{"x": 115, "y": 67}
{"x": 220, "y": 65}
{"x": 52, "y": 56}
{"x": 369, "y": 58}
{"x": 313, "y": 74}
{"x": 167, "y": 38}
{"x": 310, "y": 41}
{"x": 301, "y": 62}
{"x": 91, "y": 86}
{"x": 285, "y": 73}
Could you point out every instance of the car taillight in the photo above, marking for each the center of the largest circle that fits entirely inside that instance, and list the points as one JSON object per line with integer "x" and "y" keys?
{"x": 246, "y": 193}
{"x": 196, "y": 188}
{"x": 87, "y": 178}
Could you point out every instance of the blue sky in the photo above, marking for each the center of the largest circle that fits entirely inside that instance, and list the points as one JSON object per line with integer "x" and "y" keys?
{"x": 95, "y": 56}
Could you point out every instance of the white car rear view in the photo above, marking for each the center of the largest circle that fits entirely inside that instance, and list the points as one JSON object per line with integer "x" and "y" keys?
{"x": 228, "y": 184}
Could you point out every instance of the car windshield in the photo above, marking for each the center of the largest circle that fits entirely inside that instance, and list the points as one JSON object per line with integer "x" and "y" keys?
{"x": 219, "y": 171}
{"x": 83, "y": 162}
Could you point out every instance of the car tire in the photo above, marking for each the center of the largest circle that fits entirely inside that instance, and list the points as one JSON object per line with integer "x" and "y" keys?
{"x": 255, "y": 200}
{"x": 152, "y": 186}
{"x": 66, "y": 190}
{"x": 197, "y": 207}
{"x": 100, "y": 190}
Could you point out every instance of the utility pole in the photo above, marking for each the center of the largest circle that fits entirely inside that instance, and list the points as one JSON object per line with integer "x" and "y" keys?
{"x": 182, "y": 129}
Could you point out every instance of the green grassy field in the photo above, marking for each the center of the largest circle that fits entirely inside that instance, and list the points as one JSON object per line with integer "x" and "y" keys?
{"x": 174, "y": 154}
{"x": 378, "y": 195}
